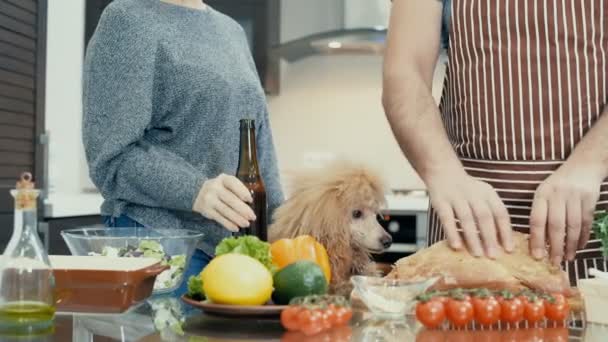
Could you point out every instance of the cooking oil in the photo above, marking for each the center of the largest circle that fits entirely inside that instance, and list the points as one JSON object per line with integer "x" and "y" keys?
{"x": 26, "y": 318}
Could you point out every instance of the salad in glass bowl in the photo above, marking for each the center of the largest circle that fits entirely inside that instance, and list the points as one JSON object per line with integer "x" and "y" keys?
{"x": 172, "y": 247}
{"x": 152, "y": 249}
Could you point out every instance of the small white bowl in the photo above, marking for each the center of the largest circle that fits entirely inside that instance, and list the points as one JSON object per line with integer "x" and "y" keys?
{"x": 389, "y": 298}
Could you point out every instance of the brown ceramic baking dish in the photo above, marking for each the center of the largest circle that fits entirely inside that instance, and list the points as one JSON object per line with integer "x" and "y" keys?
{"x": 102, "y": 284}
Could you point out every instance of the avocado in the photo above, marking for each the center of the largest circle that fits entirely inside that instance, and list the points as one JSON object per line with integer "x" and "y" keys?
{"x": 302, "y": 278}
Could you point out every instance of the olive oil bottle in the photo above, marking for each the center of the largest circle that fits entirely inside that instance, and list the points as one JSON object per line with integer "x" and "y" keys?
{"x": 26, "y": 277}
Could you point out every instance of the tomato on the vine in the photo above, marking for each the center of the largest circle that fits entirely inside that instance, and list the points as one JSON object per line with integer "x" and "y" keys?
{"x": 343, "y": 315}
{"x": 487, "y": 310}
{"x": 289, "y": 318}
{"x": 310, "y": 321}
{"x": 557, "y": 308}
{"x": 315, "y": 314}
{"x": 430, "y": 313}
{"x": 459, "y": 312}
{"x": 534, "y": 310}
{"x": 512, "y": 310}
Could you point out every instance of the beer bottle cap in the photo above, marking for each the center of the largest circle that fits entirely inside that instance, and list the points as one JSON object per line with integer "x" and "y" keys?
{"x": 247, "y": 123}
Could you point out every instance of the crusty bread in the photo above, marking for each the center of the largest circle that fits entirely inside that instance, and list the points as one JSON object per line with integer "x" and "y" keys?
{"x": 516, "y": 270}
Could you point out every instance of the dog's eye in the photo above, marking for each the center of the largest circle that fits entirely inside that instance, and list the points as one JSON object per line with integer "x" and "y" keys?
{"x": 357, "y": 214}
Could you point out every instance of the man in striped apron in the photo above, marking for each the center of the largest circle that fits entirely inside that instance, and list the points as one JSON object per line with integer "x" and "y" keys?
{"x": 520, "y": 139}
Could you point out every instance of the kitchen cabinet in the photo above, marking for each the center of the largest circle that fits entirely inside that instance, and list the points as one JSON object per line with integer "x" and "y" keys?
{"x": 22, "y": 99}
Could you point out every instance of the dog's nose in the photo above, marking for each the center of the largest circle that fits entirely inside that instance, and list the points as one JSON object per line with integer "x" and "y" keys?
{"x": 386, "y": 241}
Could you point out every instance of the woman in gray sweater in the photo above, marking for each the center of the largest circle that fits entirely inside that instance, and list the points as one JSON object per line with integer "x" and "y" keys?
{"x": 165, "y": 85}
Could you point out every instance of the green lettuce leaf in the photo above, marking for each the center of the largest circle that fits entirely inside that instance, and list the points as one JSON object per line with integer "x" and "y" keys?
{"x": 152, "y": 249}
{"x": 600, "y": 228}
{"x": 247, "y": 245}
{"x": 178, "y": 261}
{"x": 195, "y": 288}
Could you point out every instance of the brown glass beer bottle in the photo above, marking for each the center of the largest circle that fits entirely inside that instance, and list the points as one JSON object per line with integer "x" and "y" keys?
{"x": 248, "y": 172}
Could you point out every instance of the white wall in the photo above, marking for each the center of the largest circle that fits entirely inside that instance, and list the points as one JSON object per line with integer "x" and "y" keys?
{"x": 331, "y": 106}
{"x": 63, "y": 93}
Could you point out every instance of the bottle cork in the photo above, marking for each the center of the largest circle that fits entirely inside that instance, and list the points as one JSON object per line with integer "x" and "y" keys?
{"x": 26, "y": 195}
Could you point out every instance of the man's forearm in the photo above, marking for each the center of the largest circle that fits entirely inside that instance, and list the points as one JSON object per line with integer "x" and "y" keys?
{"x": 592, "y": 150}
{"x": 416, "y": 123}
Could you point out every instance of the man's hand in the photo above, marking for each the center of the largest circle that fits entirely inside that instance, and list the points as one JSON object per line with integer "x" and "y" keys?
{"x": 482, "y": 214}
{"x": 563, "y": 210}
{"x": 223, "y": 199}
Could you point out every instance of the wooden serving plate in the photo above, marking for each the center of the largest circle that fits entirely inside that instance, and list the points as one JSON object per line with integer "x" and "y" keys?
{"x": 240, "y": 311}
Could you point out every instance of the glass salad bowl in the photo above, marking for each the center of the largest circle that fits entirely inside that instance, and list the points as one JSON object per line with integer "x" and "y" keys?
{"x": 389, "y": 298}
{"x": 173, "y": 247}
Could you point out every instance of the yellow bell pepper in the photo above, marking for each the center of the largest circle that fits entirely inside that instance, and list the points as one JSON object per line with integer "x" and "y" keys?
{"x": 305, "y": 247}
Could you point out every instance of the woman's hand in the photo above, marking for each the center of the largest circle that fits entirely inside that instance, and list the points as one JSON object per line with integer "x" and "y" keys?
{"x": 223, "y": 199}
{"x": 563, "y": 209}
{"x": 482, "y": 214}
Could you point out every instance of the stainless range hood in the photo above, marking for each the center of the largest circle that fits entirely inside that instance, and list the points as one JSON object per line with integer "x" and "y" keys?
{"x": 346, "y": 41}
{"x": 361, "y": 30}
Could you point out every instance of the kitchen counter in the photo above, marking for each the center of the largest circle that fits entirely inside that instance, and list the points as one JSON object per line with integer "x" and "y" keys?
{"x": 138, "y": 325}
{"x": 61, "y": 205}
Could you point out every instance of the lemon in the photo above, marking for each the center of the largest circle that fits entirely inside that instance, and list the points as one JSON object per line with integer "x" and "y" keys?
{"x": 237, "y": 279}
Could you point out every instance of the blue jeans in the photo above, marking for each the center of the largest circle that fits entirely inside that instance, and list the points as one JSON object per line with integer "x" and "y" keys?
{"x": 198, "y": 261}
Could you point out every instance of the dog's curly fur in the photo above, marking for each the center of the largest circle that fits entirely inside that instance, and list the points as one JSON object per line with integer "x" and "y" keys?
{"x": 321, "y": 205}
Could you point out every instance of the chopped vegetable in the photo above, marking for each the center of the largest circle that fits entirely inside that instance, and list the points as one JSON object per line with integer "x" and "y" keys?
{"x": 247, "y": 245}
{"x": 600, "y": 228}
{"x": 168, "y": 317}
{"x": 195, "y": 288}
{"x": 152, "y": 249}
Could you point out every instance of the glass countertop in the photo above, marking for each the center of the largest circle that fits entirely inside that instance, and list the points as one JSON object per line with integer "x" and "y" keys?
{"x": 145, "y": 323}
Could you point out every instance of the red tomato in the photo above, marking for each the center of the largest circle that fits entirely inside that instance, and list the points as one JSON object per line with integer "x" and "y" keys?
{"x": 289, "y": 318}
{"x": 310, "y": 322}
{"x": 534, "y": 311}
{"x": 327, "y": 318}
{"x": 343, "y": 315}
{"x": 511, "y": 310}
{"x": 487, "y": 310}
{"x": 558, "y": 310}
{"x": 431, "y": 313}
{"x": 459, "y": 312}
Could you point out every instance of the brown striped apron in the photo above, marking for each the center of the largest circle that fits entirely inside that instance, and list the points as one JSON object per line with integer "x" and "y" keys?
{"x": 525, "y": 81}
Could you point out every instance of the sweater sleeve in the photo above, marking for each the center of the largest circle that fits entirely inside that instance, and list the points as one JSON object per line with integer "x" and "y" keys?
{"x": 119, "y": 78}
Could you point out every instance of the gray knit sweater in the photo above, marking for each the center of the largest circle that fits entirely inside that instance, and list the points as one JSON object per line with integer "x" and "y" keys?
{"x": 164, "y": 89}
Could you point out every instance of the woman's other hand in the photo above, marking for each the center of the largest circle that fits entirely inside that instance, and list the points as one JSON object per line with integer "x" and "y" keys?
{"x": 224, "y": 199}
